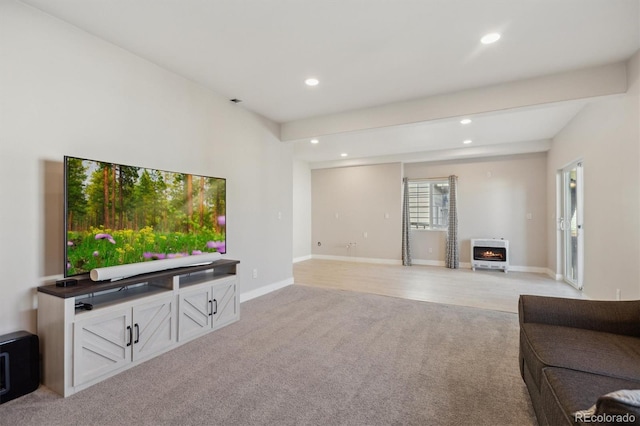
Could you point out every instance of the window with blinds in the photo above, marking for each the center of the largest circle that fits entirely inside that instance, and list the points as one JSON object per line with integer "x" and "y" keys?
{"x": 429, "y": 204}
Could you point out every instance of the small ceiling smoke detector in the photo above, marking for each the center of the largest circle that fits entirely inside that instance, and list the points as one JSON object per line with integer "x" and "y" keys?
{"x": 236, "y": 100}
{"x": 344, "y": 154}
{"x": 311, "y": 82}
{"x": 465, "y": 121}
{"x": 314, "y": 141}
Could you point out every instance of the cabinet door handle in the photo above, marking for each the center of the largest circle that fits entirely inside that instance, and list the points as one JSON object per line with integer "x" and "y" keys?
{"x": 215, "y": 310}
{"x": 130, "y": 335}
{"x": 137, "y": 333}
{"x": 210, "y": 307}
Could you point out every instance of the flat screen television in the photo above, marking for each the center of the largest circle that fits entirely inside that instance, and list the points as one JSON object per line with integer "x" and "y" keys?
{"x": 117, "y": 214}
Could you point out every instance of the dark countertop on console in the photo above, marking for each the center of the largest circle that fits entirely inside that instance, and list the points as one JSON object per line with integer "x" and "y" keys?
{"x": 86, "y": 286}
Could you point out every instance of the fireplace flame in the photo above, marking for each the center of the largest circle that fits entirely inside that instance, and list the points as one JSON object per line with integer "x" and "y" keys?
{"x": 490, "y": 253}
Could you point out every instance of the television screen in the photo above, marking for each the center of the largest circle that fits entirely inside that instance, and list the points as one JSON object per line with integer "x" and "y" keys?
{"x": 117, "y": 214}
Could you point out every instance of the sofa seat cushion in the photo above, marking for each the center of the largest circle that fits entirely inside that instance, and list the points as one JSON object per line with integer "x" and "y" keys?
{"x": 579, "y": 349}
{"x": 564, "y": 391}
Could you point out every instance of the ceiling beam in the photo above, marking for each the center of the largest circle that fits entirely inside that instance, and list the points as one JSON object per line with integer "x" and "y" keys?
{"x": 457, "y": 154}
{"x": 591, "y": 82}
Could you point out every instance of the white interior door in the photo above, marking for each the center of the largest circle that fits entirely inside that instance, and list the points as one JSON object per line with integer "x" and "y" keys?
{"x": 571, "y": 223}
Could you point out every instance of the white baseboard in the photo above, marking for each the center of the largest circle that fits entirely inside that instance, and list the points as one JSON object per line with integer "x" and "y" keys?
{"x": 357, "y": 259}
{"x": 532, "y": 269}
{"x": 553, "y": 275}
{"x": 301, "y": 259}
{"x": 261, "y": 291}
{"x": 424, "y": 262}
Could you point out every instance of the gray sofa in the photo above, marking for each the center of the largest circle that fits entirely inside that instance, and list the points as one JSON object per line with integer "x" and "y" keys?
{"x": 579, "y": 355}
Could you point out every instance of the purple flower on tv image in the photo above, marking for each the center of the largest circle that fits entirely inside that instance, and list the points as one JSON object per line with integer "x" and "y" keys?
{"x": 155, "y": 256}
{"x": 96, "y": 253}
{"x": 220, "y": 246}
{"x": 222, "y": 220}
{"x": 107, "y": 237}
{"x": 70, "y": 243}
{"x": 196, "y": 252}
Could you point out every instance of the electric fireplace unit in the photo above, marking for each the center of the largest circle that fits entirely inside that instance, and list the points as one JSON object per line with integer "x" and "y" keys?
{"x": 490, "y": 253}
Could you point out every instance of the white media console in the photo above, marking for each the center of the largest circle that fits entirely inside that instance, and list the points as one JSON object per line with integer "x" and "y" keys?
{"x": 91, "y": 331}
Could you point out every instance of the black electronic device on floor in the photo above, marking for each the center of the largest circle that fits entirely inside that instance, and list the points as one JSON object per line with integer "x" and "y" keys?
{"x": 19, "y": 365}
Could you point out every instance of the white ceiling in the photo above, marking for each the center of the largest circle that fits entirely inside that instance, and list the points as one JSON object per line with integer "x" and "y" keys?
{"x": 368, "y": 53}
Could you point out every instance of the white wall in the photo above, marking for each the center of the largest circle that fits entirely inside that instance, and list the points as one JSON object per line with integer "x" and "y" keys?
{"x": 605, "y": 134}
{"x": 63, "y": 91}
{"x": 301, "y": 211}
{"x": 494, "y": 197}
{"x": 351, "y": 201}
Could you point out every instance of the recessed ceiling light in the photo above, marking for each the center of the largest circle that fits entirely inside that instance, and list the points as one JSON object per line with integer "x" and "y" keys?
{"x": 490, "y": 38}
{"x": 311, "y": 82}
{"x": 344, "y": 154}
{"x": 467, "y": 142}
{"x": 314, "y": 141}
{"x": 465, "y": 121}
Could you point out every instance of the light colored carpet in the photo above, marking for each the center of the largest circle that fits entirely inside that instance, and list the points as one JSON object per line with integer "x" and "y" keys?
{"x": 310, "y": 356}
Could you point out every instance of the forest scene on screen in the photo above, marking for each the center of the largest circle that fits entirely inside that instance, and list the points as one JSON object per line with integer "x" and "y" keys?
{"x": 122, "y": 214}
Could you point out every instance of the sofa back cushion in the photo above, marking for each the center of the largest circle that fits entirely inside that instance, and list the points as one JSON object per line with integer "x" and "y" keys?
{"x": 619, "y": 317}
